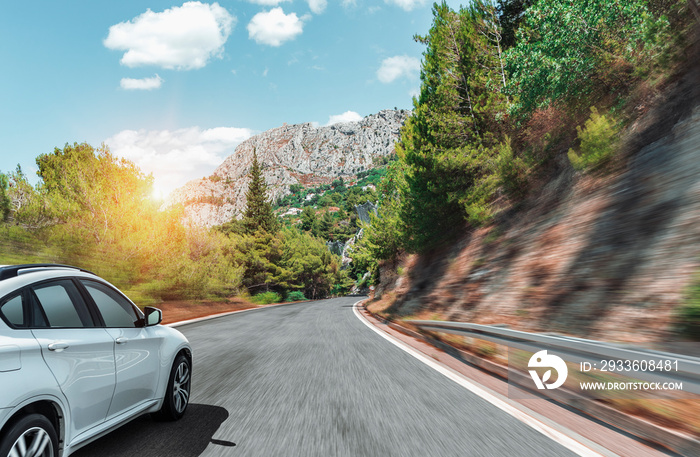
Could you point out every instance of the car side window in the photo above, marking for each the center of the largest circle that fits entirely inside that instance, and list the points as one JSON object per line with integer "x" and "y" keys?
{"x": 116, "y": 311}
{"x": 12, "y": 310}
{"x": 60, "y": 306}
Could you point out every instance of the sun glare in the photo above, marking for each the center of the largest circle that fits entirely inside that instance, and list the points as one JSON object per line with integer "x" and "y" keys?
{"x": 158, "y": 194}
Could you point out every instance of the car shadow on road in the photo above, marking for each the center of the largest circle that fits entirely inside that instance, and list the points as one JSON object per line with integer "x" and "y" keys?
{"x": 147, "y": 437}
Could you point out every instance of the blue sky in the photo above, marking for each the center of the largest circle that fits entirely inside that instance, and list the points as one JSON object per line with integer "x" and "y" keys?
{"x": 176, "y": 86}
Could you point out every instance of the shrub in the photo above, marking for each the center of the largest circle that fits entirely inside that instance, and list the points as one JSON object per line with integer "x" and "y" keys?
{"x": 574, "y": 51}
{"x": 690, "y": 316}
{"x": 340, "y": 289}
{"x": 689, "y": 312}
{"x": 265, "y": 298}
{"x": 295, "y": 296}
{"x": 511, "y": 170}
{"x": 598, "y": 142}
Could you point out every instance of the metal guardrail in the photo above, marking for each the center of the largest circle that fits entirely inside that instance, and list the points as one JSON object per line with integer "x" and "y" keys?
{"x": 578, "y": 350}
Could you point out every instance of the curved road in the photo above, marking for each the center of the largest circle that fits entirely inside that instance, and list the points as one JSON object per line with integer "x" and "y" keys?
{"x": 310, "y": 379}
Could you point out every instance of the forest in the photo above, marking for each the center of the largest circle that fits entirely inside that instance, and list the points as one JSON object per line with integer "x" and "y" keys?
{"x": 507, "y": 86}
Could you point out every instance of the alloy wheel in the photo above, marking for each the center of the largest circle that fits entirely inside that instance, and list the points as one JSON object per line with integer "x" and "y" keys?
{"x": 34, "y": 442}
{"x": 181, "y": 387}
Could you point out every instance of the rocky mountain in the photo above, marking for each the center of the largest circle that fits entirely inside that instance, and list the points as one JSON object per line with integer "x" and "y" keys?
{"x": 291, "y": 154}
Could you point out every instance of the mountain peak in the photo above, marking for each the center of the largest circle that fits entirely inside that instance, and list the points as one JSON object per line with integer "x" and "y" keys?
{"x": 291, "y": 154}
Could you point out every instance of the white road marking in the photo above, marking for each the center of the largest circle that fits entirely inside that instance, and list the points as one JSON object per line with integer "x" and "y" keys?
{"x": 567, "y": 440}
{"x": 228, "y": 313}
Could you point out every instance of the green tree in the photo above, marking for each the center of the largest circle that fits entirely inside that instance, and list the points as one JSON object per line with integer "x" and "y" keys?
{"x": 338, "y": 185}
{"x": 258, "y": 214}
{"x": 197, "y": 263}
{"x": 259, "y": 256}
{"x": 93, "y": 190}
{"x": 384, "y": 237}
{"x": 325, "y": 225}
{"x": 309, "y": 266}
{"x": 448, "y": 144}
{"x": 381, "y": 237}
{"x": 511, "y": 13}
{"x": 488, "y": 25}
{"x": 309, "y": 221}
{"x": 325, "y": 200}
{"x": 286, "y": 260}
{"x": 103, "y": 215}
{"x": 29, "y": 207}
{"x": 570, "y": 51}
{"x": 4, "y": 198}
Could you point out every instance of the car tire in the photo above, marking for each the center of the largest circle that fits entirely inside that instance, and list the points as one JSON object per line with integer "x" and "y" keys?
{"x": 177, "y": 393}
{"x": 32, "y": 435}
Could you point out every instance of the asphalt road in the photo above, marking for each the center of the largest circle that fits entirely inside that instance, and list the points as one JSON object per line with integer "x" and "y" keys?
{"x": 312, "y": 380}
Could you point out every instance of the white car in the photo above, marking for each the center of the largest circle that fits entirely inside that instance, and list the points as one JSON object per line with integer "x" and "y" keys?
{"x": 78, "y": 359}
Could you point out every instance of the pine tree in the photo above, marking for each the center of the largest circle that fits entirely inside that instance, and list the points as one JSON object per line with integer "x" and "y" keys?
{"x": 448, "y": 145}
{"x": 309, "y": 221}
{"x": 258, "y": 213}
{"x": 511, "y": 13}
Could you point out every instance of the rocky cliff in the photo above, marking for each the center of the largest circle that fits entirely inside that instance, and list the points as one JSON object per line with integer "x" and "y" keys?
{"x": 606, "y": 256}
{"x": 291, "y": 154}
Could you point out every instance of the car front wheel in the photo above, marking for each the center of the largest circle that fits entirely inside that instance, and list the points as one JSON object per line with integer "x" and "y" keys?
{"x": 177, "y": 395}
{"x": 33, "y": 435}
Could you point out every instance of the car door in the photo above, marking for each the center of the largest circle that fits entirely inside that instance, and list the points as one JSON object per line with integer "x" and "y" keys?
{"x": 137, "y": 348}
{"x": 80, "y": 355}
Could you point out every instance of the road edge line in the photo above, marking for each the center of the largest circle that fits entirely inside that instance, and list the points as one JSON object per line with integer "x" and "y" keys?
{"x": 522, "y": 413}
{"x": 228, "y": 313}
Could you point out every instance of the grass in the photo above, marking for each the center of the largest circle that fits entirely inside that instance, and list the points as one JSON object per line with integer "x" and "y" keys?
{"x": 265, "y": 298}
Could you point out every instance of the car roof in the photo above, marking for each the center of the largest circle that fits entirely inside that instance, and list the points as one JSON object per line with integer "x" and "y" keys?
{"x": 13, "y": 277}
{"x": 10, "y": 271}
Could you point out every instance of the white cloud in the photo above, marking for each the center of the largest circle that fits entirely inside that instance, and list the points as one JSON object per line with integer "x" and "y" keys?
{"x": 268, "y": 2}
{"x": 175, "y": 157}
{"x": 407, "y": 5}
{"x": 182, "y": 38}
{"x": 274, "y": 27}
{"x": 317, "y": 6}
{"x": 348, "y": 116}
{"x": 397, "y": 67}
{"x": 141, "y": 84}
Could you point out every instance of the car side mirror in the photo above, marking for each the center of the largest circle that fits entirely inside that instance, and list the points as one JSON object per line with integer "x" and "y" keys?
{"x": 154, "y": 316}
